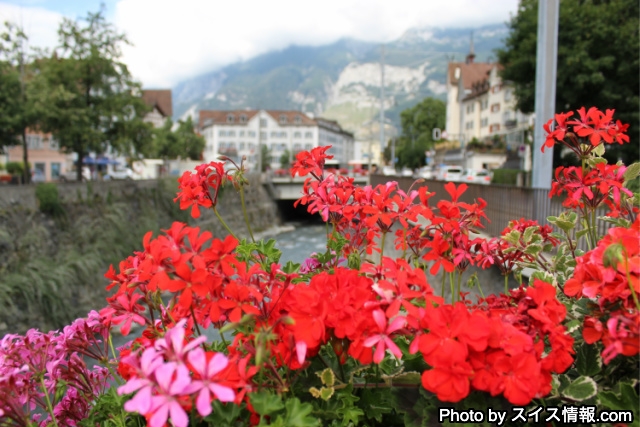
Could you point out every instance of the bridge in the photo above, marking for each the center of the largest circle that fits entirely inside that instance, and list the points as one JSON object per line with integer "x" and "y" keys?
{"x": 288, "y": 188}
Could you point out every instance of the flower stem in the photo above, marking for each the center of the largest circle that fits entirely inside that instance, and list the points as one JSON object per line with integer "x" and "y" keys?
{"x": 384, "y": 235}
{"x": 506, "y": 284}
{"x": 244, "y": 212}
{"x": 48, "y": 400}
{"x": 453, "y": 299}
{"x": 224, "y": 224}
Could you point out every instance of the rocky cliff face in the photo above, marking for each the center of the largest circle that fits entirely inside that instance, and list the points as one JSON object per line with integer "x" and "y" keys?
{"x": 341, "y": 80}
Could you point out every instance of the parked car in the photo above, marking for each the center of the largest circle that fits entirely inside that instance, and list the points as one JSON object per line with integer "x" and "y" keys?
{"x": 425, "y": 172}
{"x": 388, "y": 171}
{"x": 406, "y": 172}
{"x": 481, "y": 176}
{"x": 72, "y": 175}
{"x": 449, "y": 173}
{"x": 119, "y": 173}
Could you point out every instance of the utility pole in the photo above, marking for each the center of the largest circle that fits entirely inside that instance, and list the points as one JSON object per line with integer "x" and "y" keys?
{"x": 546, "y": 65}
{"x": 393, "y": 160}
{"x": 260, "y": 141}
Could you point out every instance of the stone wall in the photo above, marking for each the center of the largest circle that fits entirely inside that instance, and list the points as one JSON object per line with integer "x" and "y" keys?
{"x": 51, "y": 269}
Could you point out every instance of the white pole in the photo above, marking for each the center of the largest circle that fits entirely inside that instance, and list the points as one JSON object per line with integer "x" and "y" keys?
{"x": 547, "y": 59}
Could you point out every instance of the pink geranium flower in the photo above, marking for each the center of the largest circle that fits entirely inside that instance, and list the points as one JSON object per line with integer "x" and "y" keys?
{"x": 207, "y": 371}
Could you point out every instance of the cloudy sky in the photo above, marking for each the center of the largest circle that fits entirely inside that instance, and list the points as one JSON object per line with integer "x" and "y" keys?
{"x": 175, "y": 40}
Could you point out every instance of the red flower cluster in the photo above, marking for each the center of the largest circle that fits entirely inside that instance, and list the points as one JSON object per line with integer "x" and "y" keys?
{"x": 201, "y": 188}
{"x": 504, "y": 255}
{"x": 593, "y": 125}
{"x": 506, "y": 345}
{"x": 610, "y": 274}
{"x": 601, "y": 185}
{"x": 311, "y": 162}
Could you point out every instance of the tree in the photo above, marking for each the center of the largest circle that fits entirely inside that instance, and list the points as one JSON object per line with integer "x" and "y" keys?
{"x": 418, "y": 123}
{"x": 91, "y": 101}
{"x": 265, "y": 153}
{"x": 182, "y": 142}
{"x": 16, "y": 109}
{"x": 285, "y": 159}
{"x": 598, "y": 61}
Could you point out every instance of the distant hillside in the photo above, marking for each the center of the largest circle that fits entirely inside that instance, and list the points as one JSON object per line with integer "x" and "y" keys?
{"x": 340, "y": 80}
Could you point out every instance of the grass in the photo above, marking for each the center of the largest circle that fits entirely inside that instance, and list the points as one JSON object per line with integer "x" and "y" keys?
{"x": 53, "y": 269}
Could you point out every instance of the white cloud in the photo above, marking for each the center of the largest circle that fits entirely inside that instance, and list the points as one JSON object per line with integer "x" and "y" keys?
{"x": 174, "y": 40}
{"x": 40, "y": 25}
{"x": 177, "y": 40}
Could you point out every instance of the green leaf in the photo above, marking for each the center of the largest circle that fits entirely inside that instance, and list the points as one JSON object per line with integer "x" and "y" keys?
{"x": 348, "y": 411}
{"x": 291, "y": 267}
{"x": 327, "y": 377}
{"x": 528, "y": 233}
{"x": 533, "y": 249}
{"x": 581, "y": 389}
{"x": 632, "y": 172}
{"x": 297, "y": 414}
{"x": 512, "y": 237}
{"x": 599, "y": 150}
{"x": 265, "y": 403}
{"x": 588, "y": 360}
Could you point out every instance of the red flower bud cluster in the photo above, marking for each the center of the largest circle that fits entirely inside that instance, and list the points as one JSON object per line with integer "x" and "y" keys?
{"x": 610, "y": 275}
{"x": 201, "y": 188}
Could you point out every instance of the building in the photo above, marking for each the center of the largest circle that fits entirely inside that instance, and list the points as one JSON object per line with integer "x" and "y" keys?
{"x": 239, "y": 133}
{"x": 480, "y": 105}
{"x": 44, "y": 155}
{"x": 162, "y": 104}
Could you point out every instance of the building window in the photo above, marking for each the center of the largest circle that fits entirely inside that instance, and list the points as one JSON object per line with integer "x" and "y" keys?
{"x": 243, "y": 118}
{"x": 496, "y": 88}
{"x": 484, "y": 122}
{"x": 283, "y": 119}
{"x": 484, "y": 104}
{"x": 274, "y": 134}
{"x": 241, "y": 146}
{"x": 230, "y": 118}
{"x": 283, "y": 147}
{"x": 34, "y": 142}
{"x": 308, "y": 147}
{"x": 53, "y": 144}
{"x": 263, "y": 135}
{"x": 494, "y": 127}
{"x": 231, "y": 133}
{"x": 308, "y": 135}
{"x": 241, "y": 133}
{"x": 41, "y": 167}
{"x": 251, "y": 133}
{"x": 469, "y": 125}
{"x": 495, "y": 108}
{"x": 263, "y": 123}
{"x": 222, "y": 133}
{"x": 507, "y": 94}
{"x": 252, "y": 146}
{"x": 55, "y": 170}
{"x": 282, "y": 134}
{"x": 222, "y": 147}
{"x": 470, "y": 108}
{"x": 297, "y": 134}
{"x": 297, "y": 120}
{"x": 297, "y": 148}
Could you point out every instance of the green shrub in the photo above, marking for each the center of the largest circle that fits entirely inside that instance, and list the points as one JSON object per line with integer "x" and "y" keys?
{"x": 2, "y": 166}
{"x": 505, "y": 176}
{"x": 48, "y": 199}
{"x": 15, "y": 168}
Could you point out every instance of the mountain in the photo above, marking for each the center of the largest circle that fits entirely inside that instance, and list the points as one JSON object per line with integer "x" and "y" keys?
{"x": 341, "y": 80}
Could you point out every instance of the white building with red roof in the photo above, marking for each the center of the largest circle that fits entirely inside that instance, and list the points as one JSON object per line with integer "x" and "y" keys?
{"x": 238, "y": 133}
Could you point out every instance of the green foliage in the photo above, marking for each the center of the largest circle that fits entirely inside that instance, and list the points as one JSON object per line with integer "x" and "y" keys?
{"x": 50, "y": 276}
{"x": 285, "y": 159}
{"x": 108, "y": 411}
{"x": 88, "y": 99}
{"x": 182, "y": 142}
{"x": 505, "y": 176}
{"x": 48, "y": 199}
{"x": 15, "y": 168}
{"x": 598, "y": 61}
{"x": 418, "y": 123}
{"x": 265, "y": 155}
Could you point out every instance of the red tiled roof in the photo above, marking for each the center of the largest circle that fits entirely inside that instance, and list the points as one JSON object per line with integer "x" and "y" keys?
{"x": 469, "y": 73}
{"x": 160, "y": 99}
{"x": 221, "y": 117}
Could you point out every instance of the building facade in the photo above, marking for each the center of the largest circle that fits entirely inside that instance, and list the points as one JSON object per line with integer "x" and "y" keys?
{"x": 44, "y": 155}
{"x": 239, "y": 133}
{"x": 480, "y": 105}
